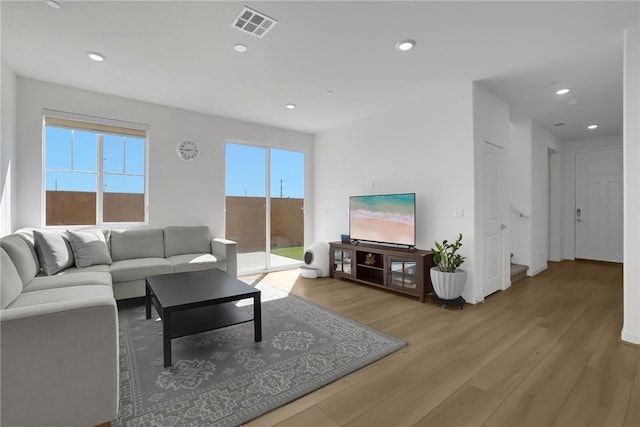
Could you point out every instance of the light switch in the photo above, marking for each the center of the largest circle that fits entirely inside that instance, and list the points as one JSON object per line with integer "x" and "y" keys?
{"x": 458, "y": 213}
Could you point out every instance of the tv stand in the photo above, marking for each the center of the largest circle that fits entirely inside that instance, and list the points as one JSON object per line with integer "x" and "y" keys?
{"x": 404, "y": 270}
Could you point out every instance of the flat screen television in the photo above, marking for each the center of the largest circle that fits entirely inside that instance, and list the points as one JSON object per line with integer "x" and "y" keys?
{"x": 383, "y": 218}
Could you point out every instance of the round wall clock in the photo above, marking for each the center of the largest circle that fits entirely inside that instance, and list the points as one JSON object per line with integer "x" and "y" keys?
{"x": 188, "y": 150}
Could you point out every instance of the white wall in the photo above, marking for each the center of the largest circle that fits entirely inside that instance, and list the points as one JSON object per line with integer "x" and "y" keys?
{"x": 571, "y": 148}
{"x": 8, "y": 141}
{"x": 542, "y": 141}
{"x": 519, "y": 190}
{"x": 426, "y": 147}
{"x": 631, "y": 138}
{"x": 491, "y": 125}
{"x": 555, "y": 202}
{"x": 179, "y": 192}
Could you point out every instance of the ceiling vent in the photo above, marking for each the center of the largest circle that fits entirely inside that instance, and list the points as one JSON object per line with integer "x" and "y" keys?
{"x": 253, "y": 22}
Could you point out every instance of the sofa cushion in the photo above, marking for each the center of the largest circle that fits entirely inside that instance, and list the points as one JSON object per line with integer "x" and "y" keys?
{"x": 89, "y": 248}
{"x": 54, "y": 251}
{"x": 23, "y": 256}
{"x": 139, "y": 268}
{"x": 88, "y": 278}
{"x": 193, "y": 262}
{"x": 106, "y": 232}
{"x": 10, "y": 281}
{"x": 60, "y": 296}
{"x": 137, "y": 243}
{"x": 102, "y": 268}
{"x": 180, "y": 240}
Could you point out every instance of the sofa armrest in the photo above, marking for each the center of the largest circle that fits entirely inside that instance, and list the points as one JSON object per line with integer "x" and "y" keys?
{"x": 227, "y": 250}
{"x": 60, "y": 363}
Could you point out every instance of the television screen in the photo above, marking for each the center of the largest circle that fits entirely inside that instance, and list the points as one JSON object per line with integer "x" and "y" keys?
{"x": 384, "y": 218}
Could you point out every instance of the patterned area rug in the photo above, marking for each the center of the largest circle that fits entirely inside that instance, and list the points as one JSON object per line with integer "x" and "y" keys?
{"x": 223, "y": 377}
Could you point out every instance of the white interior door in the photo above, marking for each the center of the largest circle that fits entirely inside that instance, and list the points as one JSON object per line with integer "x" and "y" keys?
{"x": 494, "y": 199}
{"x": 598, "y": 210}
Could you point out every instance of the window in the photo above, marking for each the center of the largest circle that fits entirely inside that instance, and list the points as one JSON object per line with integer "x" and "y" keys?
{"x": 94, "y": 172}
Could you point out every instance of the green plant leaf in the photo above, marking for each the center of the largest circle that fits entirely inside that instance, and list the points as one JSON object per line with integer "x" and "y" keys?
{"x": 445, "y": 255}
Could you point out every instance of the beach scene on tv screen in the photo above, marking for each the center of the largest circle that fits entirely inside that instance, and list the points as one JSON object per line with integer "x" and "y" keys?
{"x": 384, "y": 218}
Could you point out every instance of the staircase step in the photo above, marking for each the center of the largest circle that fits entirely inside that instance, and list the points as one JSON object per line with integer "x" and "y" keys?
{"x": 518, "y": 272}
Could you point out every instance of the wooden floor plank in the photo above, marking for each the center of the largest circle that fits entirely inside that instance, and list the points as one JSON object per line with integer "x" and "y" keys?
{"x": 544, "y": 352}
{"x": 291, "y": 410}
{"x": 469, "y": 406}
{"x": 632, "y": 417}
{"x": 310, "y": 417}
{"x": 540, "y": 396}
{"x": 509, "y": 369}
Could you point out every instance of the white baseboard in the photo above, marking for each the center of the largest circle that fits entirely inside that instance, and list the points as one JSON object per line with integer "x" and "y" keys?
{"x": 630, "y": 338}
{"x": 539, "y": 270}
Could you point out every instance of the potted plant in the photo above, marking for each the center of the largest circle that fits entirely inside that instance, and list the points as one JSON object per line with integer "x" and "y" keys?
{"x": 447, "y": 278}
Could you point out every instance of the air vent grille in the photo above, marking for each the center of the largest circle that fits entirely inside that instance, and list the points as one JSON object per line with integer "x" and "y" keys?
{"x": 253, "y": 22}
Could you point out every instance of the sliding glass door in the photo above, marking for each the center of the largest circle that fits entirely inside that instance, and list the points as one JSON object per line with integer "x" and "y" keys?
{"x": 264, "y": 196}
{"x": 287, "y": 207}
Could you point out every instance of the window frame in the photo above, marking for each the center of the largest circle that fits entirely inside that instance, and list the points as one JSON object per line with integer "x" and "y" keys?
{"x": 100, "y": 126}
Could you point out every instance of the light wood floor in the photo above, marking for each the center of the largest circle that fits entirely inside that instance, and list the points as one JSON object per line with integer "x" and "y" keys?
{"x": 546, "y": 352}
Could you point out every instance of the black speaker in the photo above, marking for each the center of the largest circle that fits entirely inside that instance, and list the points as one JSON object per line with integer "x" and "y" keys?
{"x": 345, "y": 238}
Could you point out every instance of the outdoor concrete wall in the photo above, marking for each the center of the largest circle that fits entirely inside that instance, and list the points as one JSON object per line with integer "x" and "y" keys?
{"x": 79, "y": 207}
{"x": 246, "y": 222}
{"x": 245, "y": 216}
{"x": 287, "y": 223}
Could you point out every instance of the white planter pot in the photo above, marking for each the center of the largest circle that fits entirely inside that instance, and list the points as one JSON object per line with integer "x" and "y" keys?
{"x": 448, "y": 285}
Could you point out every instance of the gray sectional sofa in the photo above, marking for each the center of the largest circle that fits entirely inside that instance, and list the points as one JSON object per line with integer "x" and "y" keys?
{"x": 58, "y": 315}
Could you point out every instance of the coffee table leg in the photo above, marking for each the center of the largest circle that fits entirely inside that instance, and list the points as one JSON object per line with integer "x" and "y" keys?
{"x": 147, "y": 301}
{"x": 257, "y": 318}
{"x": 166, "y": 339}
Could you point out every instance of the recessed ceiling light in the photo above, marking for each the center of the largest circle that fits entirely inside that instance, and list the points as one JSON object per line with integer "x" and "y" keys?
{"x": 405, "y": 45}
{"x": 592, "y": 127}
{"x": 291, "y": 106}
{"x": 98, "y": 57}
{"x": 240, "y": 48}
{"x": 54, "y": 4}
{"x": 329, "y": 92}
{"x": 563, "y": 91}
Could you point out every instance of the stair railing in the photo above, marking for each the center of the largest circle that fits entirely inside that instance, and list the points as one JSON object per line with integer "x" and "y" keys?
{"x": 519, "y": 212}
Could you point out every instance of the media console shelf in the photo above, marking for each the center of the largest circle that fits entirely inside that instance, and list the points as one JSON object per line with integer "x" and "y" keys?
{"x": 397, "y": 269}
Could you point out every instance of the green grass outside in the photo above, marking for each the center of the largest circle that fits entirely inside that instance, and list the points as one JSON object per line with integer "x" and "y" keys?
{"x": 294, "y": 252}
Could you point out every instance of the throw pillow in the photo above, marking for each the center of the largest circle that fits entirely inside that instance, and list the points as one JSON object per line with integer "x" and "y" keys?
{"x": 54, "y": 251}
{"x": 89, "y": 248}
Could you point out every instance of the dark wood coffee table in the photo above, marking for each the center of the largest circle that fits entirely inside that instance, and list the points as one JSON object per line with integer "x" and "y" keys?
{"x": 197, "y": 301}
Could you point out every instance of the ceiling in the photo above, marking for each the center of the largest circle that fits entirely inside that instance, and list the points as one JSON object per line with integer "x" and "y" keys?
{"x": 180, "y": 53}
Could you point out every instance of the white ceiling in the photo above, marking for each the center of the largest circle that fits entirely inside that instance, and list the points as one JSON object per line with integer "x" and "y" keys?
{"x": 180, "y": 53}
